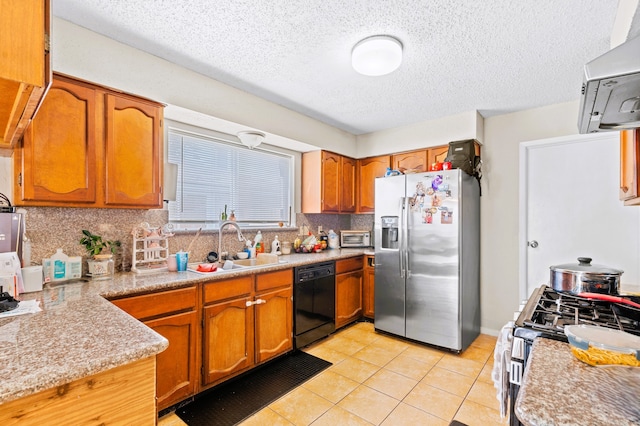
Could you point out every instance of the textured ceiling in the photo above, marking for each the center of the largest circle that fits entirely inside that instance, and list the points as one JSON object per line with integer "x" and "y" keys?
{"x": 494, "y": 56}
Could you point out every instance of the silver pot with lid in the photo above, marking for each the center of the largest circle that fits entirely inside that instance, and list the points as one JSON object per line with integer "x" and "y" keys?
{"x": 585, "y": 278}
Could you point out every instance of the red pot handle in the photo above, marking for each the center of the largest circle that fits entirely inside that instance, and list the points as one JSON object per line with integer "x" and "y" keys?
{"x": 609, "y": 298}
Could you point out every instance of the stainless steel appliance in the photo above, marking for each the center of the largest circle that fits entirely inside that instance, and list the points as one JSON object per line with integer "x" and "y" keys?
{"x": 546, "y": 313}
{"x": 427, "y": 248}
{"x": 11, "y": 233}
{"x": 611, "y": 90}
{"x": 355, "y": 239}
{"x": 314, "y": 303}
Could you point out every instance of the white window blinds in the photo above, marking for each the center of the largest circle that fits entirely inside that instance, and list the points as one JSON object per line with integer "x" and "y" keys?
{"x": 255, "y": 183}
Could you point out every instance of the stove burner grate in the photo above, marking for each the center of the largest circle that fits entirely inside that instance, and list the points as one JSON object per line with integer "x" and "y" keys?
{"x": 554, "y": 310}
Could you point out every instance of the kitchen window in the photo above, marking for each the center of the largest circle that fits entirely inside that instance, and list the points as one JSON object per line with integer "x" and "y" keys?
{"x": 216, "y": 171}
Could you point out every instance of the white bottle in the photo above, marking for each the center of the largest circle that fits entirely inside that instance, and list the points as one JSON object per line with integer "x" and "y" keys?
{"x": 275, "y": 246}
{"x": 333, "y": 240}
{"x": 59, "y": 265}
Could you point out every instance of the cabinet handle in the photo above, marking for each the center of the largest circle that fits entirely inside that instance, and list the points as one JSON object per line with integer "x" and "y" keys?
{"x": 260, "y": 302}
{"x": 248, "y": 303}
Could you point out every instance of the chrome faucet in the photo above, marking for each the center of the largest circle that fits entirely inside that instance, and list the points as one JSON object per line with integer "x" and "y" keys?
{"x": 222, "y": 226}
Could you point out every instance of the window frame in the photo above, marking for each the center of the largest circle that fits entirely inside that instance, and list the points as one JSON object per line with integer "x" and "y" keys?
{"x": 215, "y": 136}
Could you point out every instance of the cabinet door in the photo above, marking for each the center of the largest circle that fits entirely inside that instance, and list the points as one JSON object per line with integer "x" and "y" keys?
{"x": 25, "y": 65}
{"x": 176, "y": 372}
{"x": 368, "y": 295}
{"x": 59, "y": 148}
{"x": 437, "y": 154}
{"x": 228, "y": 339}
{"x": 348, "y": 186}
{"x": 133, "y": 153}
{"x": 330, "y": 182}
{"x": 629, "y": 163}
{"x": 274, "y": 323}
{"x": 368, "y": 170}
{"x": 414, "y": 160}
{"x": 348, "y": 297}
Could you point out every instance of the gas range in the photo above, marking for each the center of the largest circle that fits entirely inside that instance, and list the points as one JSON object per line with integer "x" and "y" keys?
{"x": 546, "y": 313}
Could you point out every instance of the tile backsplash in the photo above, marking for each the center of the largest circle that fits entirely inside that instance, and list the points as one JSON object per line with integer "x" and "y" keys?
{"x": 49, "y": 228}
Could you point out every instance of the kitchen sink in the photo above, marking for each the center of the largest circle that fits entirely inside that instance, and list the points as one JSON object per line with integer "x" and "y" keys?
{"x": 240, "y": 264}
{"x": 193, "y": 267}
{"x": 258, "y": 261}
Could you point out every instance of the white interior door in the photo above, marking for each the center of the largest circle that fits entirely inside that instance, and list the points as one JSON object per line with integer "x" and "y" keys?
{"x": 570, "y": 208}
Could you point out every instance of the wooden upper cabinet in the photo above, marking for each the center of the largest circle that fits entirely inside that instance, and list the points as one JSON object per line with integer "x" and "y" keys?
{"x": 413, "y": 160}
{"x": 58, "y": 155}
{"x": 436, "y": 155}
{"x": 368, "y": 170}
{"x": 91, "y": 147}
{"x": 629, "y": 165}
{"x": 133, "y": 152}
{"x": 328, "y": 183}
{"x": 330, "y": 190}
{"x": 348, "y": 186}
{"x": 25, "y": 71}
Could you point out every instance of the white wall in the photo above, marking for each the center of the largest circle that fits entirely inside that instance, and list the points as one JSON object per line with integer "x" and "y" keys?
{"x": 499, "y": 202}
{"x": 93, "y": 57}
{"x": 467, "y": 125}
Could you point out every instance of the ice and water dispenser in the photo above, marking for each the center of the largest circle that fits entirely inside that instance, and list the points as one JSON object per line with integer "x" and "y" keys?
{"x": 389, "y": 232}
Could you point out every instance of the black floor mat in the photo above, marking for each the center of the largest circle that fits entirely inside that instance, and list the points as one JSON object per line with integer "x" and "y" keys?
{"x": 232, "y": 402}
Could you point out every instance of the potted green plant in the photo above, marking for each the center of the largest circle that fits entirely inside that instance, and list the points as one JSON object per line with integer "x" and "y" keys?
{"x": 99, "y": 261}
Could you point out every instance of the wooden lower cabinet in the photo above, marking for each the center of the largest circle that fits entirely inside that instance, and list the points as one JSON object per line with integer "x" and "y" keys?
{"x": 247, "y": 321}
{"x": 368, "y": 286}
{"x": 274, "y": 324}
{"x": 173, "y": 315}
{"x": 121, "y": 396}
{"x": 176, "y": 373}
{"x": 349, "y": 276}
{"x": 228, "y": 339}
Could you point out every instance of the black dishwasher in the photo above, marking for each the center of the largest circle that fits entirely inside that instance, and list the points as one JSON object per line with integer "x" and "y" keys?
{"x": 314, "y": 303}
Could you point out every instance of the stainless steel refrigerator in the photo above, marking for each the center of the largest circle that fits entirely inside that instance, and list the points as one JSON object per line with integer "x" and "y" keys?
{"x": 427, "y": 257}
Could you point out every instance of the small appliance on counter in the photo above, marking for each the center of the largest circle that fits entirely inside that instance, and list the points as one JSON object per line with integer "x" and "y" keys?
{"x": 11, "y": 228}
{"x": 355, "y": 239}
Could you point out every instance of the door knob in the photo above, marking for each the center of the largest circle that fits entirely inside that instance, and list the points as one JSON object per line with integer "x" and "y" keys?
{"x": 532, "y": 244}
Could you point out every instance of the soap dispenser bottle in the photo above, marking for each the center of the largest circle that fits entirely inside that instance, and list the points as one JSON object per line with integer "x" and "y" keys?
{"x": 275, "y": 246}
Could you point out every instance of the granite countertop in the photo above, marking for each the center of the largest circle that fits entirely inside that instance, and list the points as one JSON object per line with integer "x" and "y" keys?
{"x": 78, "y": 333}
{"x": 558, "y": 389}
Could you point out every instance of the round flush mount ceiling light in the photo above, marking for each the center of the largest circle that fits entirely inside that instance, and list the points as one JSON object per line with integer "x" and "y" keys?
{"x": 250, "y": 138}
{"x": 377, "y": 55}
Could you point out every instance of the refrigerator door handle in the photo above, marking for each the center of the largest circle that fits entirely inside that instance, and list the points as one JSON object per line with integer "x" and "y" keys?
{"x": 401, "y": 238}
{"x": 405, "y": 237}
{"x": 407, "y": 266}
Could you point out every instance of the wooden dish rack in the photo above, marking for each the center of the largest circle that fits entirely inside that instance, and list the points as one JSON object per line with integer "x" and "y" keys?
{"x": 150, "y": 249}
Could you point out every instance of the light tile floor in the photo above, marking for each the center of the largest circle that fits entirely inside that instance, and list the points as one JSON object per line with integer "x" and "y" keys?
{"x": 377, "y": 379}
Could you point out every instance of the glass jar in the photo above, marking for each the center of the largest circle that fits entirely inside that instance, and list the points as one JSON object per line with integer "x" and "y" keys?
{"x": 101, "y": 266}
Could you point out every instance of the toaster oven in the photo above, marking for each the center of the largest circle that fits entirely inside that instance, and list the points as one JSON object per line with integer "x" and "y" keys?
{"x": 355, "y": 239}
